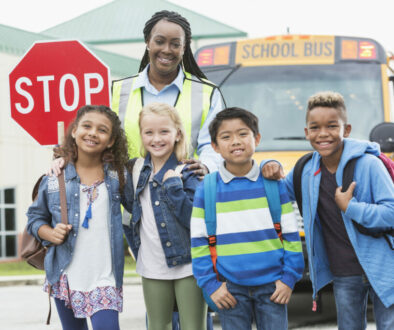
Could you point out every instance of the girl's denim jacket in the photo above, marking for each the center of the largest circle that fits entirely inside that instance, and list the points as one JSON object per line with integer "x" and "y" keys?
{"x": 46, "y": 210}
{"x": 172, "y": 203}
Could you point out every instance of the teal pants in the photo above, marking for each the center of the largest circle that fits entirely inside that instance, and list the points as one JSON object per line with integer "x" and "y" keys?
{"x": 160, "y": 297}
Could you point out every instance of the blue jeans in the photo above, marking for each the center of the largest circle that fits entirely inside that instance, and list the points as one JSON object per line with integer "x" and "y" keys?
{"x": 351, "y": 297}
{"x": 253, "y": 302}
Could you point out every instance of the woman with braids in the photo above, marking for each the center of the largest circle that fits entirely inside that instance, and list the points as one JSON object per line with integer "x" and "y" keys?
{"x": 85, "y": 259}
{"x": 168, "y": 73}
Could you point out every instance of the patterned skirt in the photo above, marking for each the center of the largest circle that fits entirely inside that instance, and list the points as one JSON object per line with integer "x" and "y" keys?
{"x": 85, "y": 304}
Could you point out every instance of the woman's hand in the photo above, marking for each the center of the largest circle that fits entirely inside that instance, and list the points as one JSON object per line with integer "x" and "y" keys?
{"x": 197, "y": 167}
{"x": 56, "y": 168}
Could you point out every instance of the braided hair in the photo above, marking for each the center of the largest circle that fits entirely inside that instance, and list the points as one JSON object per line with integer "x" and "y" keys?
{"x": 189, "y": 62}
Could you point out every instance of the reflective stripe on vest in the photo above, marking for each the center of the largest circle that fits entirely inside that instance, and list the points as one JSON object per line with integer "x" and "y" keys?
{"x": 193, "y": 105}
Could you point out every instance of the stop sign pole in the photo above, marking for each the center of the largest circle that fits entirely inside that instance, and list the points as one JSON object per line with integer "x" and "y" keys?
{"x": 51, "y": 82}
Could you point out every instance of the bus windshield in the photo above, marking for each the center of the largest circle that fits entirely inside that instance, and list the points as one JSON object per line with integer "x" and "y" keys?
{"x": 278, "y": 96}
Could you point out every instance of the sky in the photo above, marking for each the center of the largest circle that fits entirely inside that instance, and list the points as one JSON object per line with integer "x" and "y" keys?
{"x": 259, "y": 18}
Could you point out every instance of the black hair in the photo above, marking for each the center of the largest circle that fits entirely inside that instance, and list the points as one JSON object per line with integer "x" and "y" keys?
{"x": 327, "y": 99}
{"x": 246, "y": 116}
{"x": 189, "y": 62}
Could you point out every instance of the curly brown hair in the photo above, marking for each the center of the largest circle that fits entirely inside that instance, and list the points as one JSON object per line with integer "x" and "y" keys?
{"x": 117, "y": 155}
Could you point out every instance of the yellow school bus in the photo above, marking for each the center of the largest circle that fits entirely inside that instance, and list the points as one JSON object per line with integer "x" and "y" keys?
{"x": 273, "y": 77}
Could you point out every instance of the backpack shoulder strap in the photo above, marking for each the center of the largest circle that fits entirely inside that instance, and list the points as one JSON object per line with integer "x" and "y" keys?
{"x": 179, "y": 168}
{"x": 210, "y": 202}
{"x": 348, "y": 173}
{"x": 347, "y": 179}
{"x": 272, "y": 190}
{"x": 210, "y": 181}
{"x": 297, "y": 175}
{"x": 273, "y": 197}
{"x": 388, "y": 163}
{"x": 137, "y": 166}
{"x": 63, "y": 199}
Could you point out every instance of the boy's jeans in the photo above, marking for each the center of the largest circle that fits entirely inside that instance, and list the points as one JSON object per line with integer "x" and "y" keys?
{"x": 351, "y": 296}
{"x": 253, "y": 302}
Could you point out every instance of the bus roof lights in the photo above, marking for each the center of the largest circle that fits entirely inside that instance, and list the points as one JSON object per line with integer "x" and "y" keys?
{"x": 367, "y": 50}
{"x": 358, "y": 50}
{"x": 349, "y": 50}
{"x": 214, "y": 56}
{"x": 222, "y": 55}
{"x": 205, "y": 57}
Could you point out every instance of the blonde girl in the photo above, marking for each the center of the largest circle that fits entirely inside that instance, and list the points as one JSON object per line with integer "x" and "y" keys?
{"x": 159, "y": 231}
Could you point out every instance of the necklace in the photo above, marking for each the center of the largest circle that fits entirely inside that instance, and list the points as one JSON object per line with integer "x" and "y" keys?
{"x": 92, "y": 194}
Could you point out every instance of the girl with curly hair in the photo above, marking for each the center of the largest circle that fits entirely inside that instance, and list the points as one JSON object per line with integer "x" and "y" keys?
{"x": 85, "y": 258}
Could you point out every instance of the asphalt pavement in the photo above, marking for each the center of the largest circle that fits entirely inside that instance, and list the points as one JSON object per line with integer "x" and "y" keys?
{"x": 24, "y": 306}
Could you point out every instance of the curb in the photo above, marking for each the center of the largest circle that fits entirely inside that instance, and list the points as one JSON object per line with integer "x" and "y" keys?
{"x": 39, "y": 280}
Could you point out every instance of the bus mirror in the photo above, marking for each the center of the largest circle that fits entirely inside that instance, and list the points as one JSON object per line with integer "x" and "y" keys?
{"x": 391, "y": 78}
{"x": 383, "y": 134}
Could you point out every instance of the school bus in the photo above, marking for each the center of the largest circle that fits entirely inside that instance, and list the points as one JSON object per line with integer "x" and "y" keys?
{"x": 273, "y": 77}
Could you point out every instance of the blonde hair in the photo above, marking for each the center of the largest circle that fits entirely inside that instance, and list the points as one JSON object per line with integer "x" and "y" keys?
{"x": 328, "y": 99}
{"x": 163, "y": 109}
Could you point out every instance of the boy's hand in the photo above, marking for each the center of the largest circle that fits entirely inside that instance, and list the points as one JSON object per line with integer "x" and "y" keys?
{"x": 343, "y": 198}
{"x": 56, "y": 167}
{"x": 197, "y": 167}
{"x": 223, "y": 298}
{"x": 272, "y": 171}
{"x": 171, "y": 174}
{"x": 282, "y": 293}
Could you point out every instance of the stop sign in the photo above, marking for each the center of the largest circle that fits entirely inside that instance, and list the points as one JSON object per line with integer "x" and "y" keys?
{"x": 51, "y": 82}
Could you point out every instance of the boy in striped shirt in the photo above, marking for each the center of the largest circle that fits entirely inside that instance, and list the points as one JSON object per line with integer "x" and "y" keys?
{"x": 257, "y": 271}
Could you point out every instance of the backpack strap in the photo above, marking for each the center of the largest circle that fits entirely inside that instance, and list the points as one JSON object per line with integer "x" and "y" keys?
{"x": 297, "y": 175}
{"x": 179, "y": 168}
{"x": 347, "y": 179}
{"x": 210, "y": 181}
{"x": 130, "y": 167}
{"x": 273, "y": 197}
{"x": 63, "y": 199}
{"x": 348, "y": 173}
{"x": 388, "y": 163}
{"x": 137, "y": 167}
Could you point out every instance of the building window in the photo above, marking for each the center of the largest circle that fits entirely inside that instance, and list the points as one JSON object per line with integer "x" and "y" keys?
{"x": 8, "y": 230}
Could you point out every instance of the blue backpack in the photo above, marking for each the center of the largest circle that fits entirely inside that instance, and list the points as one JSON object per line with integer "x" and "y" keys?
{"x": 210, "y": 180}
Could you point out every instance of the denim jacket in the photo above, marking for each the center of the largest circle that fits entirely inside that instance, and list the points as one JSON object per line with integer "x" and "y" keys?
{"x": 172, "y": 202}
{"x": 46, "y": 210}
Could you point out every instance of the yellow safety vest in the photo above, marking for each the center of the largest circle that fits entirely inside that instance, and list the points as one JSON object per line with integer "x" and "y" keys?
{"x": 193, "y": 105}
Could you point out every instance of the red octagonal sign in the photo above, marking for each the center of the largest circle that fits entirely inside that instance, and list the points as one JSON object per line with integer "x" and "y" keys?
{"x": 51, "y": 82}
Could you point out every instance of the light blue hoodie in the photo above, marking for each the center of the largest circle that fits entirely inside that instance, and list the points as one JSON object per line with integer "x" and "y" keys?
{"x": 372, "y": 206}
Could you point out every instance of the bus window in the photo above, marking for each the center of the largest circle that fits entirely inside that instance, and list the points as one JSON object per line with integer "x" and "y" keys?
{"x": 278, "y": 96}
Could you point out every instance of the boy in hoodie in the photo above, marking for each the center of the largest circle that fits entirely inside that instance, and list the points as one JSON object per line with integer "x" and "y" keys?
{"x": 358, "y": 265}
